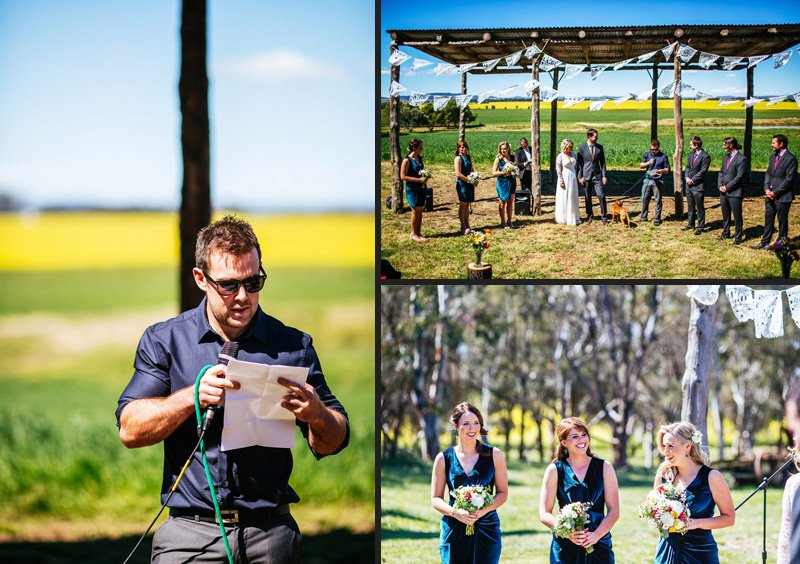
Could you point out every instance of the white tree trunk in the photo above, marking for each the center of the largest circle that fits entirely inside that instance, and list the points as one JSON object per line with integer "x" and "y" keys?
{"x": 700, "y": 361}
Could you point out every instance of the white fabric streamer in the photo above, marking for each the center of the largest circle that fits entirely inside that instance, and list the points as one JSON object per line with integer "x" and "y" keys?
{"x": 530, "y": 86}
{"x": 416, "y": 99}
{"x": 768, "y": 313}
{"x": 741, "y": 300}
{"x": 667, "y": 51}
{"x": 548, "y": 94}
{"x": 685, "y": 53}
{"x": 646, "y": 56}
{"x": 396, "y": 88}
{"x": 618, "y": 101}
{"x": 729, "y": 62}
{"x": 573, "y": 100}
{"x": 506, "y": 91}
{"x": 597, "y": 70}
{"x": 794, "y": 303}
{"x": 646, "y": 95}
{"x": 397, "y": 58}
{"x": 571, "y": 71}
{"x": 596, "y": 105}
{"x": 463, "y": 100}
{"x": 483, "y": 96}
{"x": 488, "y": 66}
{"x": 702, "y": 96}
{"x": 750, "y": 102}
{"x": 755, "y": 60}
{"x": 707, "y": 59}
{"x": 728, "y": 102}
{"x": 420, "y": 63}
{"x": 776, "y": 100}
{"x": 466, "y": 67}
{"x": 705, "y": 294}
{"x": 445, "y": 69}
{"x": 513, "y": 58}
{"x": 621, "y": 64}
{"x": 440, "y": 102}
{"x": 669, "y": 89}
{"x": 532, "y": 51}
{"x": 796, "y": 98}
{"x": 548, "y": 63}
{"x": 781, "y": 58}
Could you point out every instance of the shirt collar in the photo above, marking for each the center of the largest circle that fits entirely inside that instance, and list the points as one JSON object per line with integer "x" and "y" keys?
{"x": 205, "y": 333}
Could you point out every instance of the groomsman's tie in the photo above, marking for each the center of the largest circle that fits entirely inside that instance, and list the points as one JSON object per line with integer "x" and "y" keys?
{"x": 777, "y": 158}
{"x": 730, "y": 157}
{"x": 591, "y": 150}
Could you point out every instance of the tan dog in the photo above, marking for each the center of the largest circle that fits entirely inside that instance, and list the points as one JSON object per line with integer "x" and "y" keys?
{"x": 619, "y": 211}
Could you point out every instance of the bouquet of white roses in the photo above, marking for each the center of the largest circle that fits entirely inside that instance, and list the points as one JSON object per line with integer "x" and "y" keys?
{"x": 511, "y": 170}
{"x": 473, "y": 177}
{"x": 665, "y": 509}
{"x": 571, "y": 519}
{"x": 425, "y": 174}
{"x": 468, "y": 499}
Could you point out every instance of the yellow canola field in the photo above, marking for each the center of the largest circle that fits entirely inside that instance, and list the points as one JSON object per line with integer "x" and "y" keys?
{"x": 108, "y": 240}
{"x": 634, "y": 105}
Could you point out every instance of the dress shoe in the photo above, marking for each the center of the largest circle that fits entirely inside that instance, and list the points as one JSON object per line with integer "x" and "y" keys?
{"x": 643, "y": 218}
{"x": 657, "y": 222}
{"x": 589, "y": 219}
{"x": 725, "y": 236}
{"x": 738, "y": 241}
{"x": 605, "y": 221}
{"x": 698, "y": 231}
{"x": 687, "y": 228}
{"x": 759, "y": 246}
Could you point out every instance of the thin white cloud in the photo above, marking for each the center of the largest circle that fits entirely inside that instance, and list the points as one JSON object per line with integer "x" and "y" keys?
{"x": 731, "y": 75}
{"x": 280, "y": 64}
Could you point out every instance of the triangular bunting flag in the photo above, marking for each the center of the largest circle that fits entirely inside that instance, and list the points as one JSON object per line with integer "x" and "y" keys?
{"x": 729, "y": 62}
{"x": 750, "y": 102}
{"x": 685, "y": 90}
{"x": 728, "y": 102}
{"x": 397, "y": 57}
{"x": 445, "y": 69}
{"x": 597, "y": 70}
{"x": 618, "y": 101}
{"x": 596, "y": 105}
{"x": 741, "y": 300}
{"x": 621, "y": 64}
{"x": 768, "y": 311}
{"x": 707, "y": 59}
{"x": 416, "y": 99}
{"x": 776, "y": 100}
{"x": 488, "y": 66}
{"x": 796, "y": 97}
{"x": 466, "y": 67}
{"x": 645, "y": 57}
{"x": 573, "y": 100}
{"x": 549, "y": 63}
{"x": 646, "y": 95}
{"x": 755, "y": 60}
{"x": 464, "y": 100}
{"x": 702, "y": 96}
{"x": 532, "y": 51}
{"x": 667, "y": 51}
{"x": 705, "y": 294}
{"x": 513, "y": 58}
{"x": 506, "y": 91}
{"x": 483, "y": 96}
{"x": 548, "y": 94}
{"x": 440, "y": 102}
{"x": 530, "y": 86}
{"x": 420, "y": 63}
{"x": 571, "y": 71}
{"x": 668, "y": 90}
{"x": 396, "y": 88}
{"x": 781, "y": 58}
{"x": 794, "y": 303}
{"x": 685, "y": 53}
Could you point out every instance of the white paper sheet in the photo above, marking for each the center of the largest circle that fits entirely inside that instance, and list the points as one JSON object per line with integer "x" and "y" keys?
{"x": 253, "y": 413}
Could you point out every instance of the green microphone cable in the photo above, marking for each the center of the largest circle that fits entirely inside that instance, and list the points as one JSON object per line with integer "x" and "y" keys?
{"x": 201, "y": 445}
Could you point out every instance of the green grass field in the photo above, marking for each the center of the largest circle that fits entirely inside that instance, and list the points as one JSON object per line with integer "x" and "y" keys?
{"x": 72, "y": 492}
{"x": 410, "y": 527}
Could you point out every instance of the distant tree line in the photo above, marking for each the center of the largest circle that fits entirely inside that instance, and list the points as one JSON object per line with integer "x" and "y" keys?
{"x": 425, "y": 117}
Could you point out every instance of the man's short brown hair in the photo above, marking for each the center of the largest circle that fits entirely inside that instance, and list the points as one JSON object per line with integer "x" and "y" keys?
{"x": 229, "y": 235}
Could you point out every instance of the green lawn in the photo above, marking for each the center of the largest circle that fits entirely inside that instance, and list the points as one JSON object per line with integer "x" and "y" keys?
{"x": 410, "y": 527}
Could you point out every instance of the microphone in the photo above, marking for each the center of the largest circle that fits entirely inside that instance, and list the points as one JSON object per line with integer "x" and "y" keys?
{"x": 230, "y": 350}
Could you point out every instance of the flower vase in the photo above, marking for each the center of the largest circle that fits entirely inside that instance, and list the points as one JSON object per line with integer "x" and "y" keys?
{"x": 478, "y": 257}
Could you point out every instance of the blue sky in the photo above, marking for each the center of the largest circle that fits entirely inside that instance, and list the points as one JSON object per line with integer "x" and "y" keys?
{"x": 436, "y": 14}
{"x": 90, "y": 115}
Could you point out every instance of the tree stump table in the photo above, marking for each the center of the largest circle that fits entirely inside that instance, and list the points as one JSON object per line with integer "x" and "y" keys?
{"x": 482, "y": 272}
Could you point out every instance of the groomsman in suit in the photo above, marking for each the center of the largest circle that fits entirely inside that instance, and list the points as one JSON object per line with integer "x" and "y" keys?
{"x": 697, "y": 164}
{"x": 779, "y": 190}
{"x": 591, "y": 172}
{"x": 657, "y": 165}
{"x": 731, "y": 189}
{"x": 523, "y": 162}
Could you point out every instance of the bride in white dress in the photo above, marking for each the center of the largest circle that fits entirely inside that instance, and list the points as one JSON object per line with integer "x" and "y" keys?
{"x": 567, "y": 204}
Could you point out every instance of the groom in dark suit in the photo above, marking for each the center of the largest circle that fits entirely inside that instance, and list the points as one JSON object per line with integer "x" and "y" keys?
{"x": 523, "y": 161}
{"x": 697, "y": 164}
{"x": 591, "y": 173}
{"x": 779, "y": 190}
{"x": 731, "y": 189}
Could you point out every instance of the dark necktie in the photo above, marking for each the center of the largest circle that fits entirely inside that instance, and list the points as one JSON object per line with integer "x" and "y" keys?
{"x": 591, "y": 150}
{"x": 694, "y": 158}
{"x": 727, "y": 166}
{"x": 777, "y": 158}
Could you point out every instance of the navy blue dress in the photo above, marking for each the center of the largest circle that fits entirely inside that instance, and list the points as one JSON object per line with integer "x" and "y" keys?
{"x": 506, "y": 185}
{"x": 591, "y": 490}
{"x": 455, "y": 546}
{"x": 465, "y": 190}
{"x": 698, "y": 545}
{"x": 415, "y": 191}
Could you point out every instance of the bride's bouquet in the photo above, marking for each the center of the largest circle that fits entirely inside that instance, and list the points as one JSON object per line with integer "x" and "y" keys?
{"x": 571, "y": 519}
{"x": 511, "y": 170}
{"x": 468, "y": 499}
{"x": 665, "y": 509}
{"x": 473, "y": 177}
{"x": 425, "y": 174}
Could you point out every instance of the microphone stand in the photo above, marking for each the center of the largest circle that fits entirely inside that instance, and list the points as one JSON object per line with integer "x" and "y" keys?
{"x": 763, "y": 487}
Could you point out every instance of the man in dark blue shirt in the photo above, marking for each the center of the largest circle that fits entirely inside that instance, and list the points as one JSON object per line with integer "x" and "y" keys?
{"x": 657, "y": 165}
{"x": 251, "y": 484}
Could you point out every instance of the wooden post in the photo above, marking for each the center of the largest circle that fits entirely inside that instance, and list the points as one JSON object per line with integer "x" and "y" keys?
{"x": 554, "y": 129}
{"x": 654, "y": 105}
{"x": 394, "y": 140}
{"x": 748, "y": 123}
{"x": 536, "y": 165}
{"x": 462, "y": 124}
{"x": 677, "y": 158}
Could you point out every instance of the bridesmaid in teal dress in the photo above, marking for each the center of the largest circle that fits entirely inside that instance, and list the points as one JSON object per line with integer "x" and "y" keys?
{"x": 415, "y": 186}
{"x": 505, "y": 183}
{"x": 470, "y": 462}
{"x": 686, "y": 465}
{"x": 578, "y": 475}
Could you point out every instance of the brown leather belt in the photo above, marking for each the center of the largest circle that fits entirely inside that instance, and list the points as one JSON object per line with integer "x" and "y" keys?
{"x": 231, "y": 516}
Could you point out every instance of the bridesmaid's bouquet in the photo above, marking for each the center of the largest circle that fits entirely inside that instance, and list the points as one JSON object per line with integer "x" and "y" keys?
{"x": 511, "y": 170}
{"x": 425, "y": 174}
{"x": 473, "y": 177}
{"x": 665, "y": 509}
{"x": 573, "y": 518}
{"x": 468, "y": 499}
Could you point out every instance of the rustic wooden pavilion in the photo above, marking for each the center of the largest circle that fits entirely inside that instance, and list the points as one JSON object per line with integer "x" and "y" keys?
{"x": 588, "y": 46}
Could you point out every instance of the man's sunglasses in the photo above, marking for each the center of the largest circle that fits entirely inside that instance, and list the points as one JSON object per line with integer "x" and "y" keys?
{"x": 230, "y": 287}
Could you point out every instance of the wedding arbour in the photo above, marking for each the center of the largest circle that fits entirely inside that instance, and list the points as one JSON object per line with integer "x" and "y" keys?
{"x": 535, "y": 51}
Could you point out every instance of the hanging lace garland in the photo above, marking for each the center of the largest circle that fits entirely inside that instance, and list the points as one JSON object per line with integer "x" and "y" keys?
{"x": 466, "y": 67}
{"x": 597, "y": 70}
{"x": 530, "y": 86}
{"x": 621, "y": 64}
{"x": 667, "y": 51}
{"x": 463, "y": 100}
{"x": 741, "y": 300}
{"x": 728, "y": 102}
{"x": 705, "y": 294}
{"x": 396, "y": 88}
{"x": 776, "y": 100}
{"x": 489, "y": 66}
{"x": 668, "y": 90}
{"x": 532, "y": 51}
{"x": 685, "y": 53}
{"x": 573, "y": 100}
{"x": 483, "y": 96}
{"x": 548, "y": 94}
{"x": 729, "y": 62}
{"x": 702, "y": 96}
{"x": 781, "y": 58}
{"x": 618, "y": 101}
{"x": 794, "y": 303}
{"x": 642, "y": 96}
{"x": 571, "y": 71}
{"x": 768, "y": 313}
{"x": 707, "y": 59}
{"x": 646, "y": 56}
{"x": 513, "y": 58}
{"x": 755, "y": 60}
{"x": 397, "y": 58}
{"x": 420, "y": 63}
{"x": 416, "y": 99}
{"x": 596, "y": 105}
{"x": 548, "y": 63}
{"x": 440, "y": 102}
{"x": 750, "y": 102}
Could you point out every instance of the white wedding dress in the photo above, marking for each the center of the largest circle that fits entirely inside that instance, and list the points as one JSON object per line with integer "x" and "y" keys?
{"x": 567, "y": 204}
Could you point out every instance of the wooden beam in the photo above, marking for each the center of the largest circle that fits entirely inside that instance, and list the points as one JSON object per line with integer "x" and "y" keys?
{"x": 462, "y": 124}
{"x": 553, "y": 128}
{"x": 394, "y": 140}
{"x": 748, "y": 122}
{"x": 654, "y": 105}
{"x": 677, "y": 158}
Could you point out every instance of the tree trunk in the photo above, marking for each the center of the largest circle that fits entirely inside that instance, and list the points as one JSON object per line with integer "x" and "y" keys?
{"x": 677, "y": 158}
{"x": 462, "y": 122}
{"x": 700, "y": 352}
{"x": 536, "y": 143}
{"x": 195, "y": 210}
{"x": 554, "y": 147}
{"x": 394, "y": 141}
